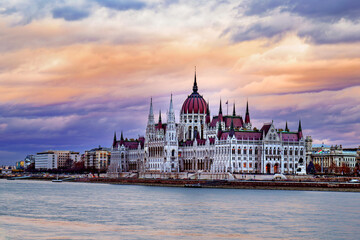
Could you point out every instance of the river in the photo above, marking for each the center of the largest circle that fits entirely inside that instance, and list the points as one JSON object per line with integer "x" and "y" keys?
{"x": 46, "y": 210}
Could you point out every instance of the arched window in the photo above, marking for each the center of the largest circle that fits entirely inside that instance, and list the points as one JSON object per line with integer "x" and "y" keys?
{"x": 266, "y": 150}
{"x": 256, "y": 151}
{"x": 250, "y": 150}
{"x": 285, "y": 151}
{"x": 245, "y": 150}
{"x": 239, "y": 150}
{"x": 233, "y": 151}
{"x": 173, "y": 153}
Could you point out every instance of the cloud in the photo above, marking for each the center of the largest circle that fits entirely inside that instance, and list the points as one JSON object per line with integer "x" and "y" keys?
{"x": 320, "y": 22}
{"x": 70, "y": 13}
{"x": 333, "y": 10}
{"x": 122, "y": 5}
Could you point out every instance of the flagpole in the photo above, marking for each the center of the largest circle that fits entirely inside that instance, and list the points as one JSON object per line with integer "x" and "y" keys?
{"x": 227, "y": 108}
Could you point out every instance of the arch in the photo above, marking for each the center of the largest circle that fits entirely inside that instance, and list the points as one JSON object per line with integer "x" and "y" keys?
{"x": 301, "y": 160}
{"x": 268, "y": 167}
{"x": 276, "y": 168}
{"x": 173, "y": 153}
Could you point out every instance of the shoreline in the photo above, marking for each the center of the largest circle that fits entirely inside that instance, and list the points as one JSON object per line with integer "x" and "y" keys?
{"x": 223, "y": 184}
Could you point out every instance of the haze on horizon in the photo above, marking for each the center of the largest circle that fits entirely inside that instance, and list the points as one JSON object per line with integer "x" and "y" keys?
{"x": 73, "y": 72}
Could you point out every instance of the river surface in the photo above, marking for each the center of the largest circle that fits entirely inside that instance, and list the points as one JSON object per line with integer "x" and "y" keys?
{"x": 46, "y": 210}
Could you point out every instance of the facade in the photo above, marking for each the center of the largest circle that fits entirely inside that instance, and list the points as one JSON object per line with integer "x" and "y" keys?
{"x": 217, "y": 144}
{"x": 55, "y": 159}
{"x": 97, "y": 158}
{"x": 334, "y": 159}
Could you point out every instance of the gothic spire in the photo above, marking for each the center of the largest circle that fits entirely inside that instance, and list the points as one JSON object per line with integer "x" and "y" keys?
{"x": 160, "y": 116}
{"x": 122, "y": 136}
{"x": 234, "y": 113}
{"x": 220, "y": 108}
{"x": 286, "y": 127}
{"x": 114, "y": 142}
{"x": 247, "y": 115}
{"x": 195, "y": 87}
{"x": 300, "y": 134}
{"x": 232, "y": 131}
{"x": 151, "y": 114}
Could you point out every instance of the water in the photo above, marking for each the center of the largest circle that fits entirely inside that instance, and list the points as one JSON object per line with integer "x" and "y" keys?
{"x": 46, "y": 210}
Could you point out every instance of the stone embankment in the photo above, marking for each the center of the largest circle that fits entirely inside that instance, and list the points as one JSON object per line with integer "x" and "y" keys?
{"x": 240, "y": 184}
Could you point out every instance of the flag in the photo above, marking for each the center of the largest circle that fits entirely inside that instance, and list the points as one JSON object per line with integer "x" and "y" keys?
{"x": 227, "y": 102}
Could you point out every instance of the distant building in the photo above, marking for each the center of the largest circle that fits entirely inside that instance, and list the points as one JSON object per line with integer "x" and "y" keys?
{"x": 20, "y": 165}
{"x": 55, "y": 159}
{"x": 97, "y": 158}
{"x": 29, "y": 159}
{"x": 7, "y": 169}
{"x": 333, "y": 159}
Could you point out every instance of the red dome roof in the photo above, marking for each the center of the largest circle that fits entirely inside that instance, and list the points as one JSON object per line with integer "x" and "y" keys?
{"x": 195, "y": 102}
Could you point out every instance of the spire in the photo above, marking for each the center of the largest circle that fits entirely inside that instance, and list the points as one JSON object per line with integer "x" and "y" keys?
{"x": 122, "y": 136}
{"x": 151, "y": 108}
{"x": 195, "y": 87}
{"x": 160, "y": 116}
{"x": 247, "y": 115}
{"x": 234, "y": 113}
{"x": 151, "y": 115}
{"x": 220, "y": 108}
{"x": 286, "y": 127}
{"x": 171, "y": 109}
{"x": 299, "y": 129}
{"x": 232, "y": 131}
{"x": 114, "y": 142}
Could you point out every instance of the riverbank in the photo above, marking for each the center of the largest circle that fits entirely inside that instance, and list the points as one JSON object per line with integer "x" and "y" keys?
{"x": 305, "y": 184}
{"x": 236, "y": 184}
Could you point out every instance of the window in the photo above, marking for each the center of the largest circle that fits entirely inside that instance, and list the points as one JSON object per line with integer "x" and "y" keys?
{"x": 233, "y": 151}
{"x": 250, "y": 151}
{"x": 244, "y": 165}
{"x": 256, "y": 151}
{"x": 250, "y": 165}
{"x": 239, "y": 151}
{"x": 244, "y": 150}
{"x": 266, "y": 151}
{"x": 285, "y": 151}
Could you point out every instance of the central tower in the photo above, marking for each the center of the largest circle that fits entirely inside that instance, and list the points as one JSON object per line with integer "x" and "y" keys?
{"x": 193, "y": 115}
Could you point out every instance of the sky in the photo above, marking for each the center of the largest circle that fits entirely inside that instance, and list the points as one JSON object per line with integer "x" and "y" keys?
{"x": 73, "y": 72}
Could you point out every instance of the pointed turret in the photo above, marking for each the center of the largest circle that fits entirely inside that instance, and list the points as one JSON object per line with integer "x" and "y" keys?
{"x": 300, "y": 130}
{"x": 234, "y": 113}
{"x": 195, "y": 87}
{"x": 160, "y": 117}
{"x": 286, "y": 127}
{"x": 151, "y": 114}
{"x": 114, "y": 142}
{"x": 220, "y": 109}
{"x": 122, "y": 136}
{"x": 247, "y": 115}
{"x": 232, "y": 130}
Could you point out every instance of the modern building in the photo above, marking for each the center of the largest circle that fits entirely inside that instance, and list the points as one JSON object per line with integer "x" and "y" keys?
{"x": 217, "y": 144}
{"x": 97, "y": 158}
{"x": 55, "y": 159}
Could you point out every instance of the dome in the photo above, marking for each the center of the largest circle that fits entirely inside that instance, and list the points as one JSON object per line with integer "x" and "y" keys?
{"x": 195, "y": 102}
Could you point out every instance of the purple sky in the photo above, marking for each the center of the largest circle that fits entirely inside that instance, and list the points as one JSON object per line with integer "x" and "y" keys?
{"x": 72, "y": 73}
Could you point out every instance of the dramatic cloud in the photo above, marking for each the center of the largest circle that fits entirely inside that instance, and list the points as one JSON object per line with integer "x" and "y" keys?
{"x": 73, "y": 72}
{"x": 69, "y": 13}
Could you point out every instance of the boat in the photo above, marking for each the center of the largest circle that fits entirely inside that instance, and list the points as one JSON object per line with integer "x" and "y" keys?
{"x": 57, "y": 179}
{"x": 194, "y": 185}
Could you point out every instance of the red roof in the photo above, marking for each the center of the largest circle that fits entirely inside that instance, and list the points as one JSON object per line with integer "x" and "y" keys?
{"x": 290, "y": 137}
{"x": 131, "y": 144}
{"x": 194, "y": 103}
{"x": 238, "y": 122}
{"x": 243, "y": 135}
